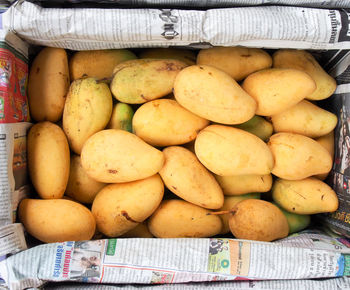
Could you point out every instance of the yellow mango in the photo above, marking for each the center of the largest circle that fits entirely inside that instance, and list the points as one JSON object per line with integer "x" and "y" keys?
{"x": 238, "y": 62}
{"x": 258, "y": 220}
{"x": 80, "y": 186}
{"x": 141, "y": 231}
{"x": 327, "y": 141}
{"x": 48, "y": 159}
{"x": 144, "y": 81}
{"x": 185, "y": 55}
{"x": 306, "y": 196}
{"x": 87, "y": 110}
{"x": 118, "y": 208}
{"x": 230, "y": 151}
{"x": 306, "y": 119}
{"x": 229, "y": 203}
{"x": 304, "y": 61}
{"x": 48, "y": 84}
{"x": 165, "y": 123}
{"x": 276, "y": 90}
{"x": 98, "y": 64}
{"x": 242, "y": 184}
{"x": 297, "y": 156}
{"x": 114, "y": 156}
{"x": 185, "y": 176}
{"x": 181, "y": 219}
{"x": 56, "y": 220}
{"x": 213, "y": 95}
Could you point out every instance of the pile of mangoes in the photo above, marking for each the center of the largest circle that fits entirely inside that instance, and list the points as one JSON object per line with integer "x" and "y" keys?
{"x": 212, "y": 134}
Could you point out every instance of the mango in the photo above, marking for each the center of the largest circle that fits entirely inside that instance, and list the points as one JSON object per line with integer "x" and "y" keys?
{"x": 118, "y": 208}
{"x": 229, "y": 203}
{"x": 306, "y": 119}
{"x": 48, "y": 159}
{"x": 297, "y": 156}
{"x": 213, "y": 95}
{"x": 115, "y": 156}
{"x": 56, "y": 220}
{"x": 257, "y": 126}
{"x": 181, "y": 219}
{"x": 165, "y": 123}
{"x": 185, "y": 176}
{"x": 304, "y": 61}
{"x": 80, "y": 186}
{"x": 87, "y": 110}
{"x": 184, "y": 55}
{"x": 98, "y": 64}
{"x": 306, "y": 196}
{"x": 242, "y": 184}
{"x": 144, "y": 81}
{"x": 296, "y": 222}
{"x": 276, "y": 90}
{"x": 121, "y": 118}
{"x": 229, "y": 151}
{"x": 48, "y": 84}
{"x": 140, "y": 231}
{"x": 238, "y": 62}
{"x": 258, "y": 220}
{"x": 327, "y": 142}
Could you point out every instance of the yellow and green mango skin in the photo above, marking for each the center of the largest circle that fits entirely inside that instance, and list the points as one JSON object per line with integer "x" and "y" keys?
{"x": 296, "y": 222}
{"x": 121, "y": 118}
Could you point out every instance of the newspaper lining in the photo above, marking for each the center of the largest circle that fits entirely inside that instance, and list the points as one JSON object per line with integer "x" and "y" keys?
{"x": 204, "y": 3}
{"x": 123, "y": 28}
{"x": 163, "y": 261}
{"x": 325, "y": 284}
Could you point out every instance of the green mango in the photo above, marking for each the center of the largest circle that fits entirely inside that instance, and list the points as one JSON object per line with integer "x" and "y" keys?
{"x": 296, "y": 222}
{"x": 257, "y": 126}
{"x": 121, "y": 117}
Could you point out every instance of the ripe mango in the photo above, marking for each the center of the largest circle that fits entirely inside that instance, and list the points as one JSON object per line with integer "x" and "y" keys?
{"x": 185, "y": 55}
{"x": 164, "y": 123}
{"x": 56, "y": 220}
{"x": 278, "y": 89}
{"x": 185, "y": 176}
{"x": 259, "y": 220}
{"x": 304, "y": 61}
{"x": 97, "y": 63}
{"x": 181, "y": 219}
{"x": 241, "y": 184}
{"x": 140, "y": 81}
{"x": 306, "y": 119}
{"x": 48, "y": 84}
{"x": 238, "y": 62}
{"x": 306, "y": 196}
{"x": 297, "y": 156}
{"x": 229, "y": 151}
{"x": 327, "y": 141}
{"x": 213, "y": 95}
{"x": 87, "y": 110}
{"x": 120, "y": 207}
{"x": 229, "y": 203}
